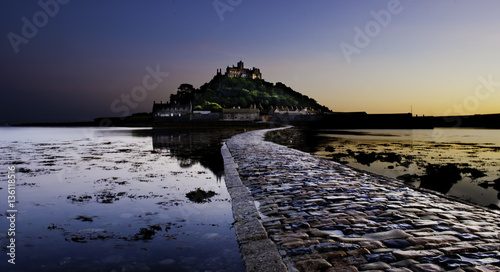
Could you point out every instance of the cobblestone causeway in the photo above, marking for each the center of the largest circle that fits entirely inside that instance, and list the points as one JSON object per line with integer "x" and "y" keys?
{"x": 324, "y": 216}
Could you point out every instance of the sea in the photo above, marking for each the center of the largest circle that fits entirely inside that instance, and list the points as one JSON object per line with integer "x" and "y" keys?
{"x": 115, "y": 199}
{"x": 459, "y": 162}
{"x": 143, "y": 199}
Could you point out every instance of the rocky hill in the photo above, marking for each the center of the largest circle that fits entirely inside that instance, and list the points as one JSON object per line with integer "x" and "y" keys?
{"x": 227, "y": 92}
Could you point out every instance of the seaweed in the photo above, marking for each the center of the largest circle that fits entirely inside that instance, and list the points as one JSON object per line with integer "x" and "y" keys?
{"x": 200, "y": 196}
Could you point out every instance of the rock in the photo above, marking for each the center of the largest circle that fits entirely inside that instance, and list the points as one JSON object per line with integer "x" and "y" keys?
{"x": 438, "y": 239}
{"x": 427, "y": 268}
{"x": 399, "y": 270}
{"x": 332, "y": 255}
{"x": 386, "y": 257}
{"x": 457, "y": 249}
{"x": 396, "y": 243}
{"x": 318, "y": 233}
{"x": 388, "y": 235}
{"x": 485, "y": 268}
{"x": 467, "y": 236}
{"x": 361, "y": 251}
{"x": 375, "y": 266}
{"x": 301, "y": 225}
{"x": 349, "y": 261}
{"x": 327, "y": 247}
{"x": 489, "y": 235}
{"x": 404, "y": 263}
{"x": 285, "y": 235}
{"x": 301, "y": 243}
{"x": 448, "y": 262}
{"x": 298, "y": 251}
{"x": 342, "y": 269}
{"x": 424, "y": 223}
{"x": 413, "y": 254}
{"x": 313, "y": 265}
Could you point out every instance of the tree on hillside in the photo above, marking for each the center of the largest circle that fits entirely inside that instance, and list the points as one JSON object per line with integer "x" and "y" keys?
{"x": 228, "y": 92}
{"x": 184, "y": 95}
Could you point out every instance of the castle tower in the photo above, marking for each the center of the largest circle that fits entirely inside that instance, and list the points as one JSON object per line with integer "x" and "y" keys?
{"x": 240, "y": 65}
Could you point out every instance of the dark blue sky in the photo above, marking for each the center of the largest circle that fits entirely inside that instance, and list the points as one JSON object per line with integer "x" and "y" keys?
{"x": 89, "y": 54}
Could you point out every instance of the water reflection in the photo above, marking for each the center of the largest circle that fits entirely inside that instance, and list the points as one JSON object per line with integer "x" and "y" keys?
{"x": 192, "y": 146}
{"x": 461, "y": 162}
{"x": 118, "y": 200}
{"x": 188, "y": 145}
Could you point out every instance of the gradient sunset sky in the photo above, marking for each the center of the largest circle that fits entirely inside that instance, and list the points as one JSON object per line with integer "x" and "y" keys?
{"x": 434, "y": 56}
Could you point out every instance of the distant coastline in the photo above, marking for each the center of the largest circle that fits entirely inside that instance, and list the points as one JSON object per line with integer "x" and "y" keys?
{"x": 336, "y": 120}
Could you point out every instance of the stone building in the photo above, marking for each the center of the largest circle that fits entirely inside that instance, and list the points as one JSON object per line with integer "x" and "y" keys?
{"x": 251, "y": 114}
{"x": 171, "y": 112}
{"x": 241, "y": 71}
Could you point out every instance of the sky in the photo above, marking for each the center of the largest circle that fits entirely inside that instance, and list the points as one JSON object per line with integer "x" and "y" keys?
{"x": 75, "y": 60}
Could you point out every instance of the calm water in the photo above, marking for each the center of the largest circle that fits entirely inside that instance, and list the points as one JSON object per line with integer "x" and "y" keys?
{"x": 94, "y": 199}
{"x": 412, "y": 154}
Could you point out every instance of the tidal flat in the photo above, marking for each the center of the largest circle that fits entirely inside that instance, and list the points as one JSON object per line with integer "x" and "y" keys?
{"x": 464, "y": 163}
{"x": 116, "y": 199}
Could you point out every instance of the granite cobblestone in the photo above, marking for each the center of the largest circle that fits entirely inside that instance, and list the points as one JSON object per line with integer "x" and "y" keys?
{"x": 324, "y": 216}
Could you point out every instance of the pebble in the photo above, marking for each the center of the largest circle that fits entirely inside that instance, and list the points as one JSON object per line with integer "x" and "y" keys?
{"x": 324, "y": 216}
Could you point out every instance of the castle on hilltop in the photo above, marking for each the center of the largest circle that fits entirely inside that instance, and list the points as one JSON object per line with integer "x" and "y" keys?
{"x": 241, "y": 71}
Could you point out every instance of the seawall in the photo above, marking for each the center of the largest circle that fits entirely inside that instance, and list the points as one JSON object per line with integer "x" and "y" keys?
{"x": 297, "y": 212}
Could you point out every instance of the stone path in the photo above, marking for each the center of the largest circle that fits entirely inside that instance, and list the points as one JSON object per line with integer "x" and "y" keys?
{"x": 318, "y": 215}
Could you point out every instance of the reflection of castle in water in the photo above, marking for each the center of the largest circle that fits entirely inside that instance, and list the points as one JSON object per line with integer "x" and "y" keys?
{"x": 191, "y": 147}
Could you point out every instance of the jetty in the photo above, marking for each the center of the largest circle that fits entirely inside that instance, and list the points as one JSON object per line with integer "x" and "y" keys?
{"x": 297, "y": 212}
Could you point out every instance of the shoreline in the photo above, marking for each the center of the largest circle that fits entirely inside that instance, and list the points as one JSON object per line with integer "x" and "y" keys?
{"x": 390, "y": 158}
{"x": 257, "y": 250}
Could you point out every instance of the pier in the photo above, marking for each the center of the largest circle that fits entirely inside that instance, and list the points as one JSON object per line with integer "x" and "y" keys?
{"x": 297, "y": 212}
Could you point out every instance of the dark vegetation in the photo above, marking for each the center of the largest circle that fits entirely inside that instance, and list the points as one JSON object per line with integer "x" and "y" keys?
{"x": 368, "y": 158}
{"x": 227, "y": 92}
{"x": 200, "y": 196}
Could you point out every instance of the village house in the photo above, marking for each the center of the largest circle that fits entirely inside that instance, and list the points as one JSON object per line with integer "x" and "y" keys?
{"x": 237, "y": 114}
{"x": 171, "y": 112}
